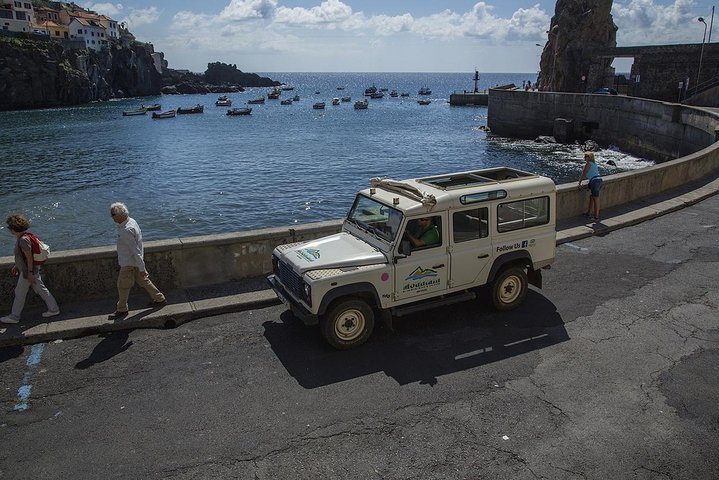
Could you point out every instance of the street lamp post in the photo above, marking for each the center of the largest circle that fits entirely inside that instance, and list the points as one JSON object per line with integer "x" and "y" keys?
{"x": 701, "y": 54}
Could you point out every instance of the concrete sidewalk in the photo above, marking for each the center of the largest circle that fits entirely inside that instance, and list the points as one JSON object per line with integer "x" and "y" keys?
{"x": 186, "y": 305}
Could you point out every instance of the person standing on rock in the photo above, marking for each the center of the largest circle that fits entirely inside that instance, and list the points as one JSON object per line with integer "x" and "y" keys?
{"x": 27, "y": 271}
{"x": 591, "y": 172}
{"x": 130, "y": 256}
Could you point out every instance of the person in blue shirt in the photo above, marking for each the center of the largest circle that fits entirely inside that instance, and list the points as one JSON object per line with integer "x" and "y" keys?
{"x": 591, "y": 173}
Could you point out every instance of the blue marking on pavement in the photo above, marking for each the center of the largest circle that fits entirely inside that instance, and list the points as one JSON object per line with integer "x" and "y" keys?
{"x": 23, "y": 393}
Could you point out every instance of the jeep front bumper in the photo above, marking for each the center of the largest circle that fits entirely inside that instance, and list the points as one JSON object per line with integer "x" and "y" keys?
{"x": 299, "y": 310}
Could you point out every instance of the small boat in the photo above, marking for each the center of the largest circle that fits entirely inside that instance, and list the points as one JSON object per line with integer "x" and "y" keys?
{"x": 239, "y": 111}
{"x": 317, "y": 92}
{"x": 335, "y": 101}
{"x": 404, "y": 94}
{"x": 274, "y": 95}
{"x": 340, "y": 88}
{"x": 167, "y": 114}
{"x": 377, "y": 95}
{"x": 152, "y": 108}
{"x": 393, "y": 93}
{"x": 319, "y": 106}
{"x": 424, "y": 102}
{"x": 346, "y": 99}
{"x": 296, "y": 98}
{"x": 369, "y": 91}
{"x": 361, "y": 104}
{"x": 222, "y": 97}
{"x": 382, "y": 89}
{"x": 287, "y": 101}
{"x": 226, "y": 102}
{"x": 195, "y": 109}
{"x": 424, "y": 91}
{"x": 256, "y": 101}
{"x": 287, "y": 87}
{"x": 130, "y": 113}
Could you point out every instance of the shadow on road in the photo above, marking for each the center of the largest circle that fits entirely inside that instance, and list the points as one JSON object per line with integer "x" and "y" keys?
{"x": 112, "y": 344}
{"x": 423, "y": 347}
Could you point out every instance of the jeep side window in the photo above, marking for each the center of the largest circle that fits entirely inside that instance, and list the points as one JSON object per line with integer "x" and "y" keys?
{"x": 424, "y": 232}
{"x": 522, "y": 214}
{"x": 470, "y": 224}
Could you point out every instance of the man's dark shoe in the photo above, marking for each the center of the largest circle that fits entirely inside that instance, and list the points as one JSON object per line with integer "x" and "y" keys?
{"x": 159, "y": 304}
{"x": 116, "y": 315}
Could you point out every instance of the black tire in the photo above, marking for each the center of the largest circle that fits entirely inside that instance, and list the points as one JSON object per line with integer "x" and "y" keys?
{"x": 509, "y": 288}
{"x": 348, "y": 323}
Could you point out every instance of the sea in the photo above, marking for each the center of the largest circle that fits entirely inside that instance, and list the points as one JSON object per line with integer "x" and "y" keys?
{"x": 282, "y": 165}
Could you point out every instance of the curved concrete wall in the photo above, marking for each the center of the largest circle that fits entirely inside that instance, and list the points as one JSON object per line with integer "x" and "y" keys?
{"x": 636, "y": 125}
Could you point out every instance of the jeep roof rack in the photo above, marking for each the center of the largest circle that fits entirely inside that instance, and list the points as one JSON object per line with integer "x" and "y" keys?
{"x": 474, "y": 178}
{"x": 403, "y": 188}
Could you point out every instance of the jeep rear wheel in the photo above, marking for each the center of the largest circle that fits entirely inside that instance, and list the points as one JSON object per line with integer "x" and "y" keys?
{"x": 348, "y": 323}
{"x": 509, "y": 288}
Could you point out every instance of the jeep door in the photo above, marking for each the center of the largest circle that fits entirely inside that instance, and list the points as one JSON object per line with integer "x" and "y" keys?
{"x": 471, "y": 246}
{"x": 424, "y": 273}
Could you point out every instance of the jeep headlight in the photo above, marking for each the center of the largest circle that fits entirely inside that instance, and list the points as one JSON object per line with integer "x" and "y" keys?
{"x": 307, "y": 290}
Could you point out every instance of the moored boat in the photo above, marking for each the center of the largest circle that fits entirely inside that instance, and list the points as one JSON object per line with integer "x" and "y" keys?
{"x": 393, "y": 93}
{"x": 346, "y": 98}
{"x": 287, "y": 101}
{"x": 152, "y": 108}
{"x": 369, "y": 91}
{"x": 194, "y": 109}
{"x": 130, "y": 113}
{"x": 239, "y": 111}
{"x": 424, "y": 102}
{"x": 319, "y": 106}
{"x": 404, "y": 94}
{"x": 424, "y": 91}
{"x": 377, "y": 95}
{"x": 335, "y": 101}
{"x": 256, "y": 101}
{"x": 161, "y": 115}
{"x": 296, "y": 98}
{"x": 274, "y": 95}
{"x": 224, "y": 102}
{"x": 287, "y": 87}
{"x": 361, "y": 104}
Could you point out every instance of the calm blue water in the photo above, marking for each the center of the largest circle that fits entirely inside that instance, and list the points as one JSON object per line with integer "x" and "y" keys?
{"x": 210, "y": 173}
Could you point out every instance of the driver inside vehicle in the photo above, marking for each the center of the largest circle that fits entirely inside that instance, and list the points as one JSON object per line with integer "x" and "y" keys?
{"x": 422, "y": 232}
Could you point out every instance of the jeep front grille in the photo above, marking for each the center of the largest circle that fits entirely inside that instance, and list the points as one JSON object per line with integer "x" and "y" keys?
{"x": 290, "y": 279}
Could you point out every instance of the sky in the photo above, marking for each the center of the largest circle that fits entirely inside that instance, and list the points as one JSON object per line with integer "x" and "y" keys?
{"x": 494, "y": 36}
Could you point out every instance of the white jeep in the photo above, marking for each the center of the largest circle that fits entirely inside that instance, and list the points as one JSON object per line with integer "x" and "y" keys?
{"x": 421, "y": 243}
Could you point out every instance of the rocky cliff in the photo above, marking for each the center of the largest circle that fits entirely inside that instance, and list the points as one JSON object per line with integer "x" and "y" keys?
{"x": 578, "y": 28}
{"x": 39, "y": 74}
{"x": 219, "y": 77}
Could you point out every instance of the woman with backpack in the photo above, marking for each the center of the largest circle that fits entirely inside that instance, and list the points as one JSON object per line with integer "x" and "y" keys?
{"x": 27, "y": 270}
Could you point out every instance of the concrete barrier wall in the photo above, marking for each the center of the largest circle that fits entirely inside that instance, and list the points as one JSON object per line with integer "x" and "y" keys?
{"x": 195, "y": 261}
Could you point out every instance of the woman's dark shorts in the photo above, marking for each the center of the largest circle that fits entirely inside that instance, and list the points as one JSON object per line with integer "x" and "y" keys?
{"x": 595, "y": 185}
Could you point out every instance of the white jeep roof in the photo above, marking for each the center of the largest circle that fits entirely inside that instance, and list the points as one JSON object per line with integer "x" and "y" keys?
{"x": 457, "y": 190}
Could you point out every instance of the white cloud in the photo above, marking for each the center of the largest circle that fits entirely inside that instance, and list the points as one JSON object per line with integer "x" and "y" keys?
{"x": 644, "y": 22}
{"x": 239, "y": 10}
{"x": 143, "y": 16}
{"x": 328, "y": 12}
{"x": 112, "y": 10}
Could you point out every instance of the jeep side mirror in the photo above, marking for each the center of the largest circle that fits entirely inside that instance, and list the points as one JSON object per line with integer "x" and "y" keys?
{"x": 405, "y": 248}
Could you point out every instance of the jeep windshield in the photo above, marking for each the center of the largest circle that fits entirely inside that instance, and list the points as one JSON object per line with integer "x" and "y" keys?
{"x": 376, "y": 218}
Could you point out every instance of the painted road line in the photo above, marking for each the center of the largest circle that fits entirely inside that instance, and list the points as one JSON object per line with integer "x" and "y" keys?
{"x": 23, "y": 393}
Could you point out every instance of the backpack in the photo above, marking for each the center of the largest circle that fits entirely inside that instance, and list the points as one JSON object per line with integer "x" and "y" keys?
{"x": 40, "y": 249}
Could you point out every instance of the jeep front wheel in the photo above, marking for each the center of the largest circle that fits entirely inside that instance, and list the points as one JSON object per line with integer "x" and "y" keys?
{"x": 347, "y": 324}
{"x": 509, "y": 288}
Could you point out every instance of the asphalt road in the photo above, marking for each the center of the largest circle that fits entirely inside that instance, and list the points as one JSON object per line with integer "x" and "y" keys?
{"x": 610, "y": 371}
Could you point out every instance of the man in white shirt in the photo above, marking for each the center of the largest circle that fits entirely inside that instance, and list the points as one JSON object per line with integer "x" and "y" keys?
{"x": 130, "y": 255}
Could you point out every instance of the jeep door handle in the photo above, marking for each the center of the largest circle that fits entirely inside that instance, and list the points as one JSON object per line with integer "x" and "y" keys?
{"x": 438, "y": 266}
{"x": 483, "y": 256}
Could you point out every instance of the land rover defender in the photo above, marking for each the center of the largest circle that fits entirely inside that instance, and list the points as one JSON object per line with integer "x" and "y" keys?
{"x": 421, "y": 243}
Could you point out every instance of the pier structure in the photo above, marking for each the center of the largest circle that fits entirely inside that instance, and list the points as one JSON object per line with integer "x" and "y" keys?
{"x": 472, "y": 98}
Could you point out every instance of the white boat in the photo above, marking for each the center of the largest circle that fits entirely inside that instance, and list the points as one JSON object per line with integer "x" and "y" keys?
{"x": 361, "y": 104}
{"x": 335, "y": 101}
